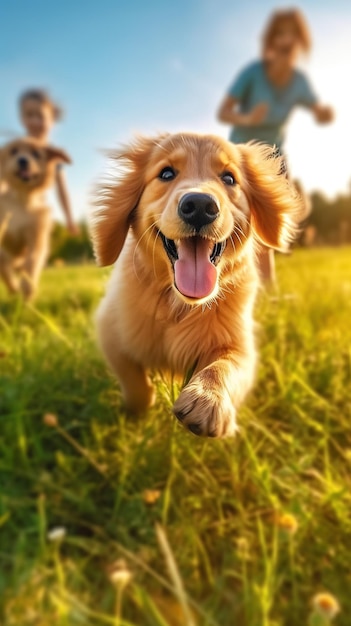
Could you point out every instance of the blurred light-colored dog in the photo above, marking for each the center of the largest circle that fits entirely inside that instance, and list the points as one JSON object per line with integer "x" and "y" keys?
{"x": 182, "y": 221}
{"x": 27, "y": 169}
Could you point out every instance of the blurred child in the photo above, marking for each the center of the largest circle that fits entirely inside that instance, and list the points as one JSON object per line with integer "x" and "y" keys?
{"x": 38, "y": 115}
{"x": 261, "y": 98}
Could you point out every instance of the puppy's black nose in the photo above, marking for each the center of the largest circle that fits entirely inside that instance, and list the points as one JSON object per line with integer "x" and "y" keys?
{"x": 198, "y": 209}
{"x": 22, "y": 162}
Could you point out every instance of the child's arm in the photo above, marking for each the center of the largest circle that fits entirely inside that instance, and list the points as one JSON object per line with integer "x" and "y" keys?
{"x": 228, "y": 114}
{"x": 322, "y": 114}
{"x": 64, "y": 201}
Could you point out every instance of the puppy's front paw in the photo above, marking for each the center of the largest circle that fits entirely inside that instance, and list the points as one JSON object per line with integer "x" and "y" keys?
{"x": 205, "y": 406}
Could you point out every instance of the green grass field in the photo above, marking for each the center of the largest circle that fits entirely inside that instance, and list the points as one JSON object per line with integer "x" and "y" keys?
{"x": 163, "y": 528}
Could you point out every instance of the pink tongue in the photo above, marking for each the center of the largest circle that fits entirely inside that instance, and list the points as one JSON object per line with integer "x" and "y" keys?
{"x": 195, "y": 275}
{"x": 24, "y": 175}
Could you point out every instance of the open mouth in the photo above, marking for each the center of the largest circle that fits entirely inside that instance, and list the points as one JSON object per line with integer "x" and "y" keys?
{"x": 25, "y": 175}
{"x": 194, "y": 260}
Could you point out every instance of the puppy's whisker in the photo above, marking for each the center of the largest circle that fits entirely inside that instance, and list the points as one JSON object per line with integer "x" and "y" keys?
{"x": 153, "y": 234}
{"x": 232, "y": 242}
{"x": 244, "y": 224}
{"x": 153, "y": 225}
{"x": 238, "y": 227}
{"x": 243, "y": 218}
{"x": 236, "y": 234}
{"x": 240, "y": 230}
{"x": 216, "y": 235}
{"x": 227, "y": 289}
{"x": 143, "y": 235}
{"x": 148, "y": 232}
{"x": 153, "y": 253}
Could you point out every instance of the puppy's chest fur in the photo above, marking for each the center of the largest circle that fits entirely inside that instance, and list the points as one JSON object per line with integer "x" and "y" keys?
{"x": 18, "y": 224}
{"x": 159, "y": 331}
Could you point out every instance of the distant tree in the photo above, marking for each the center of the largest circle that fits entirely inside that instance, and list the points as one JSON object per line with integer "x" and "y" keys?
{"x": 71, "y": 249}
{"x": 330, "y": 220}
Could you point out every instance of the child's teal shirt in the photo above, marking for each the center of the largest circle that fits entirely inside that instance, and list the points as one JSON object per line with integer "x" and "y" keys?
{"x": 252, "y": 87}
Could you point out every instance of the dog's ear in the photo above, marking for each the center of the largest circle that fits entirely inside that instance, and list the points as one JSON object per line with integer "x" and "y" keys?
{"x": 117, "y": 199}
{"x": 58, "y": 154}
{"x": 274, "y": 202}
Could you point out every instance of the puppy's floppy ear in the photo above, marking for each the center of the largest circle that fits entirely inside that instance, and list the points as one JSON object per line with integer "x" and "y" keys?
{"x": 274, "y": 203}
{"x": 109, "y": 223}
{"x": 58, "y": 154}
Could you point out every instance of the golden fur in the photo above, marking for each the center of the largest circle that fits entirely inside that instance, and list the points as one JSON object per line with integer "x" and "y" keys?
{"x": 144, "y": 321}
{"x": 27, "y": 169}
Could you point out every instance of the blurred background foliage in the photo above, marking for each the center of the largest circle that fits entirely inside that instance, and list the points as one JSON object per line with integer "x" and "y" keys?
{"x": 68, "y": 248}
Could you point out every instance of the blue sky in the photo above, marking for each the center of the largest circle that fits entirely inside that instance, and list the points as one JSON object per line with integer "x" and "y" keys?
{"x": 147, "y": 66}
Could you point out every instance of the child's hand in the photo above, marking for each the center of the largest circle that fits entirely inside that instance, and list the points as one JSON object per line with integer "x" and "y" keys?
{"x": 258, "y": 114}
{"x": 323, "y": 114}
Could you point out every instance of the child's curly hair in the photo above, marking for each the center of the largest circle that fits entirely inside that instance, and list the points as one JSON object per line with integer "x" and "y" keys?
{"x": 41, "y": 96}
{"x": 296, "y": 18}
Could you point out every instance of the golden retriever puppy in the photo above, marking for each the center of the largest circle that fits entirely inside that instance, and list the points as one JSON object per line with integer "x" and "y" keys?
{"x": 181, "y": 224}
{"x": 27, "y": 169}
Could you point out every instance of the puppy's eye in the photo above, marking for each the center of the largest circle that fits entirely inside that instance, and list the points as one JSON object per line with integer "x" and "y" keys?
{"x": 35, "y": 153}
{"x": 228, "y": 178}
{"x": 167, "y": 173}
{"x": 14, "y": 151}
